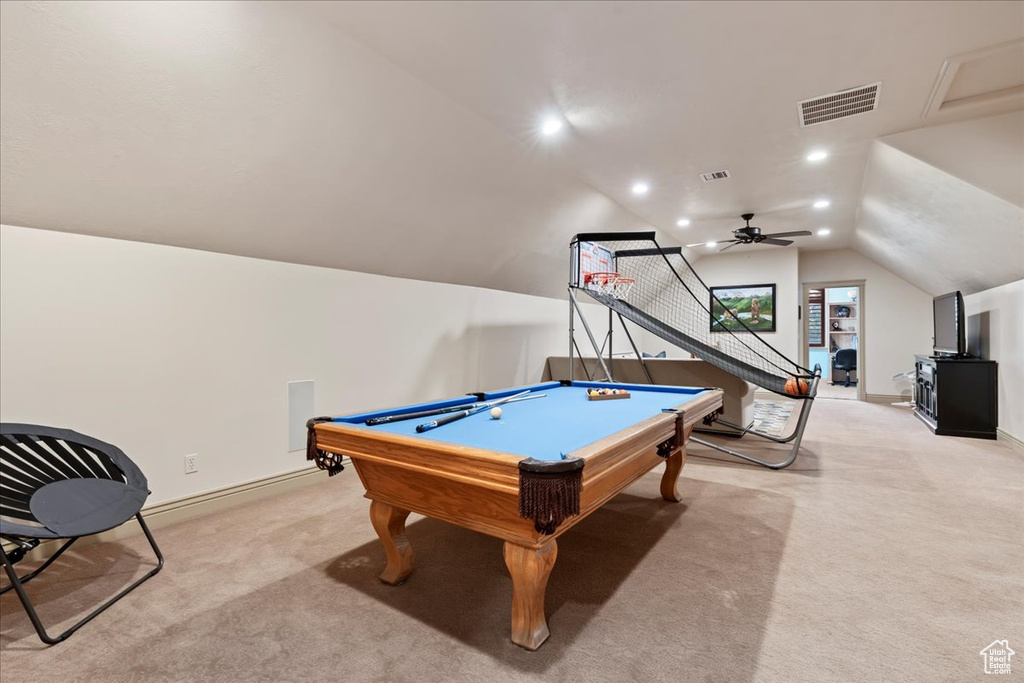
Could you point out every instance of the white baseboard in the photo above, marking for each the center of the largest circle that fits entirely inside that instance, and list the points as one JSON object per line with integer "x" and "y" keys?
{"x": 1012, "y": 441}
{"x": 886, "y": 399}
{"x": 178, "y": 510}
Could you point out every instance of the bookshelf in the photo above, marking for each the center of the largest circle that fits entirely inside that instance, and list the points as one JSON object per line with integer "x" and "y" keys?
{"x": 843, "y": 333}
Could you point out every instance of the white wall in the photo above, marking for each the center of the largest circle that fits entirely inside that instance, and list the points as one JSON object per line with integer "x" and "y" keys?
{"x": 897, "y": 316}
{"x": 167, "y": 351}
{"x": 995, "y": 331}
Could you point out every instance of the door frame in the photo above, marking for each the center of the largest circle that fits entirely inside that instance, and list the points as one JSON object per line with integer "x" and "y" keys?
{"x": 862, "y": 334}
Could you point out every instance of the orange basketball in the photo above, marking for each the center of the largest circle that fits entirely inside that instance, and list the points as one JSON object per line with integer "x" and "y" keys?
{"x": 797, "y": 387}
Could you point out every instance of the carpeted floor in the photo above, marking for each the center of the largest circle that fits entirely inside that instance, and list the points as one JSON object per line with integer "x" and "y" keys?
{"x": 884, "y": 554}
{"x": 827, "y": 390}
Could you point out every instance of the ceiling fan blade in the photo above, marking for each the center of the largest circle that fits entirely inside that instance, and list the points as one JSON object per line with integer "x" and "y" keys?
{"x": 780, "y": 243}
{"x": 795, "y": 233}
{"x": 701, "y": 244}
{"x": 734, "y": 243}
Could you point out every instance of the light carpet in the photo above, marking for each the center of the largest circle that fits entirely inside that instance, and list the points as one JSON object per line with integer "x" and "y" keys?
{"x": 884, "y": 553}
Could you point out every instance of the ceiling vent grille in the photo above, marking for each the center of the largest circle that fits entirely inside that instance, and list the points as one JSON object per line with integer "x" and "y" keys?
{"x": 715, "y": 175}
{"x": 839, "y": 105}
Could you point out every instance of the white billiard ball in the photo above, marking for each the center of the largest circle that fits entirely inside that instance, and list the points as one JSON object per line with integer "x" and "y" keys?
{"x": 495, "y": 413}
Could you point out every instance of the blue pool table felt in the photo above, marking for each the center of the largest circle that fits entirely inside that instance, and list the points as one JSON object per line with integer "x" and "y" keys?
{"x": 548, "y": 428}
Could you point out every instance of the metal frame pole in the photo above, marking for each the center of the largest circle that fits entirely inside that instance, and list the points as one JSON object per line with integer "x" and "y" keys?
{"x": 590, "y": 335}
{"x": 572, "y": 336}
{"x": 611, "y": 324}
{"x": 797, "y": 435}
{"x": 639, "y": 356}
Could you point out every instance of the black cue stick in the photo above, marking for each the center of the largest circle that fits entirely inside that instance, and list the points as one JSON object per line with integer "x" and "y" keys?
{"x": 385, "y": 419}
{"x": 448, "y": 419}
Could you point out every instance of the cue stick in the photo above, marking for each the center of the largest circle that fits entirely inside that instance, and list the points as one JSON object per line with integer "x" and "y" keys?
{"x": 385, "y": 419}
{"x": 447, "y": 419}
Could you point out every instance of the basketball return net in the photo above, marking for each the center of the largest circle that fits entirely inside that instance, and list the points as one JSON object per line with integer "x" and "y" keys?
{"x": 657, "y": 289}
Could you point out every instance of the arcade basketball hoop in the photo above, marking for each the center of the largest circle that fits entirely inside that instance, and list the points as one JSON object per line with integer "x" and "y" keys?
{"x": 610, "y": 284}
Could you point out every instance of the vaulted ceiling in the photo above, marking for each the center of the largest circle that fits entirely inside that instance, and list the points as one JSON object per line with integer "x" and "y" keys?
{"x": 403, "y": 138}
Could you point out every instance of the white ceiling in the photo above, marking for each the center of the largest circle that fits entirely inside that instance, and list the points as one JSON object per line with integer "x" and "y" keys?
{"x": 401, "y": 138}
{"x": 987, "y": 152}
{"x": 978, "y": 244}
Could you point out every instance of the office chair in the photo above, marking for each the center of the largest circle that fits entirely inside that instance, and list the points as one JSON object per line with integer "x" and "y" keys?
{"x": 845, "y": 359}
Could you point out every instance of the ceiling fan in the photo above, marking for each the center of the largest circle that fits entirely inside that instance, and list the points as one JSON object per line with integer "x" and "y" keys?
{"x": 751, "y": 234}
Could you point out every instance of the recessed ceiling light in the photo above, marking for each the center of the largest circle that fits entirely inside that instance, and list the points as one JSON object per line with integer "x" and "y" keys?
{"x": 551, "y": 125}
{"x": 824, "y": 231}
{"x": 711, "y": 244}
{"x": 817, "y": 155}
{"x": 821, "y": 204}
{"x": 641, "y": 188}
{"x": 683, "y": 222}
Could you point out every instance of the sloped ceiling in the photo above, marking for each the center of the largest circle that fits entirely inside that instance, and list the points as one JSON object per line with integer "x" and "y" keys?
{"x": 986, "y": 152}
{"x": 401, "y": 138}
{"x": 936, "y": 230}
{"x": 247, "y": 128}
{"x": 943, "y": 207}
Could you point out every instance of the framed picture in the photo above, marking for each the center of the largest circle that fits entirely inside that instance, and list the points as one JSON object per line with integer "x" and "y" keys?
{"x": 753, "y": 305}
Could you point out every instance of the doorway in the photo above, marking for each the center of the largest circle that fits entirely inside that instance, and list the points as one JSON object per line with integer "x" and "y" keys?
{"x": 834, "y": 339}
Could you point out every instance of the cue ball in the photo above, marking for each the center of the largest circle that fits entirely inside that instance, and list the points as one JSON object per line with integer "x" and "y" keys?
{"x": 495, "y": 413}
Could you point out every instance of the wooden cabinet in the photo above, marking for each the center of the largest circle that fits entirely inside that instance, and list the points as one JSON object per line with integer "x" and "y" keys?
{"x": 957, "y": 396}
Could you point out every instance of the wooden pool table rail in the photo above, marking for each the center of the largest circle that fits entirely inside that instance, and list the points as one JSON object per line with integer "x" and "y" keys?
{"x": 478, "y": 489}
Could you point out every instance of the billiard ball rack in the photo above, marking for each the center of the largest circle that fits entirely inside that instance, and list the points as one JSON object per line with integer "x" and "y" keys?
{"x": 607, "y": 397}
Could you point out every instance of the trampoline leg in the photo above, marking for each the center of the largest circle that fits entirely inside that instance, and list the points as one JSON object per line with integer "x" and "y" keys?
{"x": 16, "y": 584}
{"x": 28, "y": 577}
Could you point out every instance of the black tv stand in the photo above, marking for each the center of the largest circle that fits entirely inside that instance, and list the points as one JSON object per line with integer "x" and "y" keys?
{"x": 966, "y": 404}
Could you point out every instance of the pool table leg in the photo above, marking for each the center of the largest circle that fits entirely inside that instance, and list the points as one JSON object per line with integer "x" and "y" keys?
{"x": 389, "y": 523}
{"x": 670, "y": 479}
{"x": 530, "y": 569}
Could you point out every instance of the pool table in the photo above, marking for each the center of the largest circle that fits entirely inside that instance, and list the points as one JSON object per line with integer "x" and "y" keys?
{"x": 526, "y": 477}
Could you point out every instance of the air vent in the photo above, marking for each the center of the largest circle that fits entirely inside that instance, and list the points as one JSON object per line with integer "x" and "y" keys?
{"x": 839, "y": 105}
{"x": 717, "y": 175}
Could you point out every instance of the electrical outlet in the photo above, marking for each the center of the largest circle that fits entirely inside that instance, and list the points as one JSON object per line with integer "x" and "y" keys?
{"x": 191, "y": 463}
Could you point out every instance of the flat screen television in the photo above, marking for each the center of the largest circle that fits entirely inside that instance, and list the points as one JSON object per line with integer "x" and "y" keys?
{"x": 950, "y": 321}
